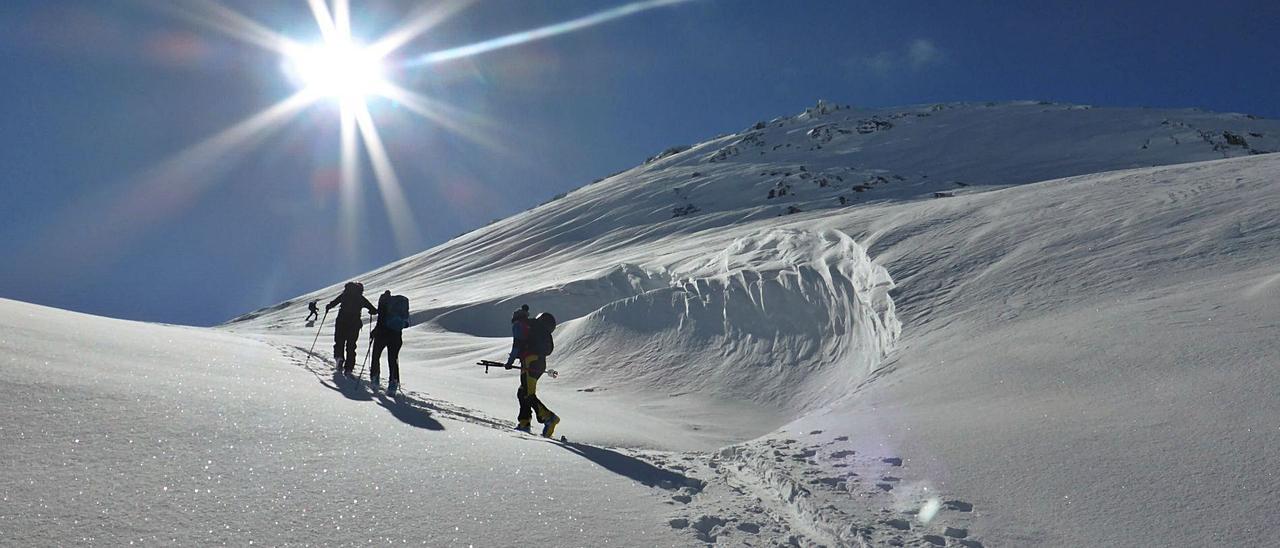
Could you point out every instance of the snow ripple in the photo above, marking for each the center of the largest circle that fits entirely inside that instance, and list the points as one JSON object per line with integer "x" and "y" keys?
{"x": 788, "y": 318}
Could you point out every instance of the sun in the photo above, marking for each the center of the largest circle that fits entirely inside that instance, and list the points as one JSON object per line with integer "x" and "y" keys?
{"x": 339, "y": 69}
{"x": 351, "y": 74}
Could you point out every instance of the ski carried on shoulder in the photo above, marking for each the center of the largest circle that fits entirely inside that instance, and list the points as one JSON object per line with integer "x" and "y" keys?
{"x": 490, "y": 363}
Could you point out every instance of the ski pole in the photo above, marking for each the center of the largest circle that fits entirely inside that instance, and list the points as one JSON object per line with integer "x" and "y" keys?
{"x": 367, "y": 349}
{"x": 313, "y": 341}
{"x": 488, "y": 363}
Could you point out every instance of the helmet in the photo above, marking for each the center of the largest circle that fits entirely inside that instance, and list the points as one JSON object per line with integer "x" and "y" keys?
{"x": 547, "y": 320}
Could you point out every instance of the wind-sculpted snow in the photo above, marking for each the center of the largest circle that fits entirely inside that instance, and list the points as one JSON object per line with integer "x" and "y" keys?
{"x": 786, "y": 318}
{"x": 569, "y": 300}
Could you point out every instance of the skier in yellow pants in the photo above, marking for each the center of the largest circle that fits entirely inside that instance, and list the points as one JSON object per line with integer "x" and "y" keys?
{"x": 532, "y": 343}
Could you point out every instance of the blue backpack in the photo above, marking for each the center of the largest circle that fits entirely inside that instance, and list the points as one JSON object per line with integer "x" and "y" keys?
{"x": 397, "y": 313}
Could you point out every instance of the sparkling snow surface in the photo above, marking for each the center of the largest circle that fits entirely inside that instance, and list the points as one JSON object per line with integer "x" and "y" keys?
{"x": 1083, "y": 361}
{"x": 119, "y": 432}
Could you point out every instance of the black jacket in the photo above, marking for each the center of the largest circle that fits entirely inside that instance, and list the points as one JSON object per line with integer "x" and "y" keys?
{"x": 382, "y": 313}
{"x": 351, "y": 303}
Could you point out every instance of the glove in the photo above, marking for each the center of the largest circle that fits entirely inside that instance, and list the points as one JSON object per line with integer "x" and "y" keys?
{"x": 508, "y": 366}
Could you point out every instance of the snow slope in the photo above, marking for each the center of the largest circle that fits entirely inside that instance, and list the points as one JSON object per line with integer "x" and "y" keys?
{"x": 1053, "y": 353}
{"x": 119, "y": 432}
{"x": 618, "y": 261}
{"x": 1093, "y": 359}
{"x": 1017, "y": 348}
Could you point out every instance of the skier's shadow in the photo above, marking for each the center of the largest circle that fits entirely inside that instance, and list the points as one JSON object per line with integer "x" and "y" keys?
{"x": 409, "y": 414}
{"x": 347, "y": 387}
{"x": 404, "y": 411}
{"x": 311, "y": 323}
{"x": 631, "y": 467}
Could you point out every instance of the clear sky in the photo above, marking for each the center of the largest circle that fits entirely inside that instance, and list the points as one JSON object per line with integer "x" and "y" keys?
{"x": 109, "y": 207}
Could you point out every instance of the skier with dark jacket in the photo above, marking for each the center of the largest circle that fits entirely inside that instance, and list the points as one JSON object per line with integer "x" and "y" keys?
{"x": 389, "y": 338}
{"x": 346, "y": 331}
{"x": 313, "y": 312}
{"x": 532, "y": 343}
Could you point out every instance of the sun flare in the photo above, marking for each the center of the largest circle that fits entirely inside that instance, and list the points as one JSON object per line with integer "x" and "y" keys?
{"x": 353, "y": 75}
{"x": 340, "y": 69}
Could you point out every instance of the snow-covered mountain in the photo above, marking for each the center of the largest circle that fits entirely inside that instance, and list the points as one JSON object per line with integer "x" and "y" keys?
{"x": 961, "y": 325}
{"x": 650, "y": 268}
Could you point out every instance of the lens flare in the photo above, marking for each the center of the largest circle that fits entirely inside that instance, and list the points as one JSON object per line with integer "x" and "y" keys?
{"x": 339, "y": 69}
{"x": 541, "y": 33}
{"x": 344, "y": 71}
{"x": 929, "y": 509}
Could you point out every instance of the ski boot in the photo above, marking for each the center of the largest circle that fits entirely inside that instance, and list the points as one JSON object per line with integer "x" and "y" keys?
{"x": 524, "y": 427}
{"x": 392, "y": 387}
{"x": 373, "y": 381}
{"x": 549, "y": 427}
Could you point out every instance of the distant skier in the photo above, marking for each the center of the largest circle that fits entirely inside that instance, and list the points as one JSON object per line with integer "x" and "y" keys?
{"x": 532, "y": 343}
{"x": 393, "y": 318}
{"x": 315, "y": 312}
{"x": 346, "y": 331}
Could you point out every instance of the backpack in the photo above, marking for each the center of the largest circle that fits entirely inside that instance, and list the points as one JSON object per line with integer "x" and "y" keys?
{"x": 540, "y": 341}
{"x": 397, "y": 313}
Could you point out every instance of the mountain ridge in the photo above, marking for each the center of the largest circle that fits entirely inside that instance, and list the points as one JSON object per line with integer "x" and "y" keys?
{"x": 705, "y": 193}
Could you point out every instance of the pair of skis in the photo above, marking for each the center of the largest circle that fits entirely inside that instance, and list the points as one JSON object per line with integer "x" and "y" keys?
{"x": 490, "y": 363}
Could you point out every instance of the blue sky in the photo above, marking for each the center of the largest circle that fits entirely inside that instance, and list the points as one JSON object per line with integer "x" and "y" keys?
{"x": 99, "y": 94}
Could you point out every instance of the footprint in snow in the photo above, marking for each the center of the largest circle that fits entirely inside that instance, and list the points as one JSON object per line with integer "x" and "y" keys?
{"x": 843, "y": 454}
{"x": 958, "y": 505}
{"x": 706, "y": 525}
{"x": 898, "y": 523}
{"x": 892, "y": 461}
{"x": 829, "y": 482}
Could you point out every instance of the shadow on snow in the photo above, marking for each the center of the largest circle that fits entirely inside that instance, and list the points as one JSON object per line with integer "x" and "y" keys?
{"x": 409, "y": 414}
{"x": 404, "y": 411}
{"x": 631, "y": 467}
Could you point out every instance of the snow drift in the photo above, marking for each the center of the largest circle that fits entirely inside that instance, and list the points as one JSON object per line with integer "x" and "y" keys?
{"x": 787, "y": 318}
